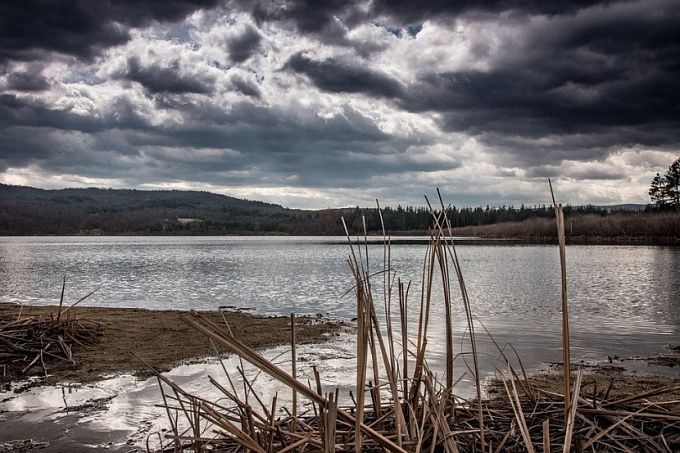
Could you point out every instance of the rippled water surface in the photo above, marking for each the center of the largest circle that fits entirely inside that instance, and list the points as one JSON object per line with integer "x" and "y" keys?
{"x": 622, "y": 299}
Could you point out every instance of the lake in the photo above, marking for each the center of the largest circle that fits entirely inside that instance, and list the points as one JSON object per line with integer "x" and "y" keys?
{"x": 624, "y": 300}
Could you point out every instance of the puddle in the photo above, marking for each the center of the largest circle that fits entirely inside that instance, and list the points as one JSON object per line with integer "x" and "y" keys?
{"x": 127, "y": 407}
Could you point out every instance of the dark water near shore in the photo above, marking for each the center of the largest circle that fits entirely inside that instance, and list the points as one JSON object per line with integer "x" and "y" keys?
{"x": 623, "y": 299}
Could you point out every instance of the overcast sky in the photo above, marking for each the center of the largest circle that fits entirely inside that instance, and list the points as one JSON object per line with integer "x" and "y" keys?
{"x": 319, "y": 104}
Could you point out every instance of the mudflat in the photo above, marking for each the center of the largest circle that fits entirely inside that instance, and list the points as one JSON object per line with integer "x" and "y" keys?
{"x": 161, "y": 338}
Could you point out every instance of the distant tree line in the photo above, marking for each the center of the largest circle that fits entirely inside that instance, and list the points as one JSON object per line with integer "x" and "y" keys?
{"x": 29, "y": 211}
{"x": 420, "y": 218}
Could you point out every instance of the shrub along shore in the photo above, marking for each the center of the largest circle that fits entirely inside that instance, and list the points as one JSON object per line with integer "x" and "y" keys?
{"x": 643, "y": 228}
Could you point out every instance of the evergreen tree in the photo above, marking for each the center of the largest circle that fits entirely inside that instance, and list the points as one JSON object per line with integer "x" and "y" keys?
{"x": 665, "y": 189}
{"x": 657, "y": 191}
{"x": 673, "y": 183}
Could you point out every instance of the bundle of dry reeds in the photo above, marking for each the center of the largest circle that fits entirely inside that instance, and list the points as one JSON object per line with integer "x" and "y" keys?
{"x": 405, "y": 406}
{"x": 28, "y": 343}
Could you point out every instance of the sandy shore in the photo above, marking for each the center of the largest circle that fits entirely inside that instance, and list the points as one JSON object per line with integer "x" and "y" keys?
{"x": 162, "y": 339}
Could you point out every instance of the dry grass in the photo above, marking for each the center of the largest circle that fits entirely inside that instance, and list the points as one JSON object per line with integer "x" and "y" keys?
{"x": 28, "y": 343}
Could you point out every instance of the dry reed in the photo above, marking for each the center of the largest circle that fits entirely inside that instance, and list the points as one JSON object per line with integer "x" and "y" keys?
{"x": 28, "y": 343}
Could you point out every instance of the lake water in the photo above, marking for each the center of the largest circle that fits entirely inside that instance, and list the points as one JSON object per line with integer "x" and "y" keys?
{"x": 623, "y": 300}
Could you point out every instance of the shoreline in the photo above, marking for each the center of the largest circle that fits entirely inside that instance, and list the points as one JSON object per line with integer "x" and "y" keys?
{"x": 160, "y": 338}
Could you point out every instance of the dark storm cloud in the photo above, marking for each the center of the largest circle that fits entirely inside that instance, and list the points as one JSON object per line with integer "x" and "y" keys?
{"x": 340, "y": 77}
{"x": 255, "y": 141}
{"x": 610, "y": 75}
{"x": 535, "y": 104}
{"x": 309, "y": 16}
{"x": 158, "y": 79}
{"x": 555, "y": 171}
{"x": 244, "y": 46}
{"x": 317, "y": 17}
{"x": 409, "y": 12}
{"x": 80, "y": 28}
{"x": 245, "y": 87}
{"x": 17, "y": 112}
{"x": 264, "y": 129}
{"x": 37, "y": 134}
{"x": 327, "y": 21}
{"x": 29, "y": 78}
{"x": 614, "y": 78}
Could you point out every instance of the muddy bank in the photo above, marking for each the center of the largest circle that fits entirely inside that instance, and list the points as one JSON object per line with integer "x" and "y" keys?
{"x": 162, "y": 339}
{"x": 621, "y": 377}
{"x": 615, "y": 381}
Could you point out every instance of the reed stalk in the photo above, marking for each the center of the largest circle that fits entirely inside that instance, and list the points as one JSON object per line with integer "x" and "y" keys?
{"x": 293, "y": 353}
{"x": 566, "y": 349}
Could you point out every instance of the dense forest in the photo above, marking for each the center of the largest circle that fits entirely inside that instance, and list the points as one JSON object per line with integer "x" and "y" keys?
{"x": 30, "y": 211}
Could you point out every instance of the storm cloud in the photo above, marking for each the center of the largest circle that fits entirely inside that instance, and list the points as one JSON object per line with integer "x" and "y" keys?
{"x": 243, "y": 46}
{"x": 165, "y": 79}
{"x": 29, "y": 78}
{"x": 316, "y": 104}
{"x": 338, "y": 77}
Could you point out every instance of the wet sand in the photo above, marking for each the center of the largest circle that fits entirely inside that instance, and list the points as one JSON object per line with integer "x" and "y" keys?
{"x": 162, "y": 339}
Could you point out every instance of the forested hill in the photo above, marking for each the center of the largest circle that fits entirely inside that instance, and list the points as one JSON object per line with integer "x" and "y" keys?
{"x": 30, "y": 211}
